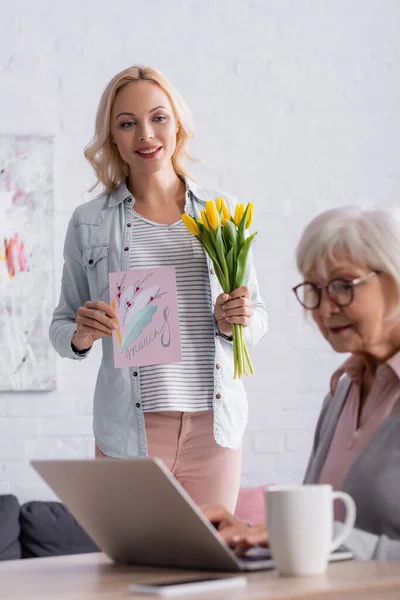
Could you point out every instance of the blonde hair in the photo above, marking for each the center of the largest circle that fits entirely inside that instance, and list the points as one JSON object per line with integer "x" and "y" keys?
{"x": 103, "y": 154}
{"x": 367, "y": 237}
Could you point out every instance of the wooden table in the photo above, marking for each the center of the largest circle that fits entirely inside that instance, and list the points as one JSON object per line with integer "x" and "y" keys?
{"x": 93, "y": 576}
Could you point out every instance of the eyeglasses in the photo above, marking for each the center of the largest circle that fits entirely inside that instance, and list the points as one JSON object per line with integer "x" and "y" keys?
{"x": 340, "y": 291}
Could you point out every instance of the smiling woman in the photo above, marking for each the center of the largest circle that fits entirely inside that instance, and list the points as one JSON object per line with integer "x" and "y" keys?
{"x": 152, "y": 93}
{"x": 191, "y": 414}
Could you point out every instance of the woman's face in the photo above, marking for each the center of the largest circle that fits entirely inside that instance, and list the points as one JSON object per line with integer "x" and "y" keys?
{"x": 144, "y": 127}
{"x": 362, "y": 326}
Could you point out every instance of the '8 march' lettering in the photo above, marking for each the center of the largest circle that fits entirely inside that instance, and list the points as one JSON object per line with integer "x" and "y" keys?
{"x": 164, "y": 333}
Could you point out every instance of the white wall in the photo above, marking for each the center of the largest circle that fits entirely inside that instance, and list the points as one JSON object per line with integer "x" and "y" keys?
{"x": 297, "y": 109}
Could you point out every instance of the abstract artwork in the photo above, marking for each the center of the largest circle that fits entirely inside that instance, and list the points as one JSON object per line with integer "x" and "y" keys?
{"x": 27, "y": 361}
{"x": 148, "y": 320}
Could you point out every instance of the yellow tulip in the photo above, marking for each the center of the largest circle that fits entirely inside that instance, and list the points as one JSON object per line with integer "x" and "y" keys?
{"x": 221, "y": 204}
{"x": 212, "y": 214}
{"x": 203, "y": 220}
{"x": 250, "y": 215}
{"x": 191, "y": 224}
{"x": 239, "y": 212}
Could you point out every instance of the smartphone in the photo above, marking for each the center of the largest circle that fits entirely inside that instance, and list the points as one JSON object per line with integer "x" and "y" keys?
{"x": 177, "y": 588}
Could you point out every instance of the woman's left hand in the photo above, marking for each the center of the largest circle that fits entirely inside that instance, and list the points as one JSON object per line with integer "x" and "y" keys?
{"x": 236, "y": 307}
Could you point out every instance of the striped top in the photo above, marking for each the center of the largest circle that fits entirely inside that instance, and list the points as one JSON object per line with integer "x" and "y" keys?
{"x": 187, "y": 386}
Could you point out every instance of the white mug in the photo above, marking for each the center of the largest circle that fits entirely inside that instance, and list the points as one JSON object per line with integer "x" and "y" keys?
{"x": 300, "y": 526}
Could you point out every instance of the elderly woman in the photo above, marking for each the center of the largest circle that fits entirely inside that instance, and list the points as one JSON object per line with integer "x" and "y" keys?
{"x": 350, "y": 262}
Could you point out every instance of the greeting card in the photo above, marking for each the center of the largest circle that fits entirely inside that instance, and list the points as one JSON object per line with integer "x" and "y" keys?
{"x": 148, "y": 321}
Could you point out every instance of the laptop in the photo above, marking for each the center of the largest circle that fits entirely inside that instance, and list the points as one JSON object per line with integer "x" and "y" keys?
{"x": 138, "y": 513}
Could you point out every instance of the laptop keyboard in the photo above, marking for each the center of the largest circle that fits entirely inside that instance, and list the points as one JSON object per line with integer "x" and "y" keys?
{"x": 256, "y": 554}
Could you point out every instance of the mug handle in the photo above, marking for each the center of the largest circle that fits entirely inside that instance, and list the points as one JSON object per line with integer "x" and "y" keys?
{"x": 349, "y": 521}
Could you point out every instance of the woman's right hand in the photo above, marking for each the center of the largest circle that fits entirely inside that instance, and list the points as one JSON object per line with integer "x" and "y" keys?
{"x": 94, "y": 320}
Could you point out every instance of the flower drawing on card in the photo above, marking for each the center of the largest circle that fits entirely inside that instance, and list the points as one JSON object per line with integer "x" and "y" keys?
{"x": 138, "y": 308}
{"x": 120, "y": 288}
{"x": 148, "y": 322}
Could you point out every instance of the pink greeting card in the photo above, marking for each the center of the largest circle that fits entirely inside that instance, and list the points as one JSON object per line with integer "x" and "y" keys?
{"x": 147, "y": 307}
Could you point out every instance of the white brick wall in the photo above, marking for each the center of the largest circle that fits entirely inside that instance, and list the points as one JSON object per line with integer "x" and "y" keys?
{"x": 297, "y": 109}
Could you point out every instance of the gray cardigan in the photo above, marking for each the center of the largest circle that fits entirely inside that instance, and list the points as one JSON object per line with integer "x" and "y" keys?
{"x": 373, "y": 480}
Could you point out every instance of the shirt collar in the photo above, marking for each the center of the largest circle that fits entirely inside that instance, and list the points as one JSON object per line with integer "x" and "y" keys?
{"x": 354, "y": 368}
{"x": 196, "y": 190}
{"x": 394, "y": 364}
{"x": 121, "y": 193}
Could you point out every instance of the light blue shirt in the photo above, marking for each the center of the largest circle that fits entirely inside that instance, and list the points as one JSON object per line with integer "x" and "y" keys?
{"x": 97, "y": 243}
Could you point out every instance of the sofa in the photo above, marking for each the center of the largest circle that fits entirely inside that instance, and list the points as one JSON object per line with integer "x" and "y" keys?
{"x": 38, "y": 529}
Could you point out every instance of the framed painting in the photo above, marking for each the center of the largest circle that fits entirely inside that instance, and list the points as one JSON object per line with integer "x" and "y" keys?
{"x": 27, "y": 361}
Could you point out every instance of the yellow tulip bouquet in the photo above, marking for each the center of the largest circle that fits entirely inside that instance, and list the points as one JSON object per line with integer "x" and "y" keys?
{"x": 224, "y": 239}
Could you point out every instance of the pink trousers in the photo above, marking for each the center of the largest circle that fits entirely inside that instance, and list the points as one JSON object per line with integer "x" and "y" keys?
{"x": 185, "y": 443}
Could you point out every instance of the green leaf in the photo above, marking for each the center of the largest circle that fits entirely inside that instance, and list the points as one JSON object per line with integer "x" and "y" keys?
{"x": 231, "y": 267}
{"x": 241, "y": 234}
{"x": 230, "y": 233}
{"x": 210, "y": 251}
{"x": 208, "y": 242}
{"x": 219, "y": 246}
{"x": 221, "y": 278}
{"x": 210, "y": 238}
{"x": 207, "y": 239}
{"x": 242, "y": 260}
{"x": 141, "y": 320}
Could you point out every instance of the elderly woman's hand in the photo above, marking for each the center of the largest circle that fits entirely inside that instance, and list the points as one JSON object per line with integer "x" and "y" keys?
{"x": 237, "y": 535}
{"x": 236, "y": 307}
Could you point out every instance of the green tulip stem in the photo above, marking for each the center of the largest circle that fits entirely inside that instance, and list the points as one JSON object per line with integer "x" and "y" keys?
{"x": 242, "y": 364}
{"x": 248, "y": 359}
{"x": 244, "y": 350}
{"x": 235, "y": 353}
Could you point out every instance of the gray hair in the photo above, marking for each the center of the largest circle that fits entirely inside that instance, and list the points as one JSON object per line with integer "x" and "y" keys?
{"x": 366, "y": 237}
